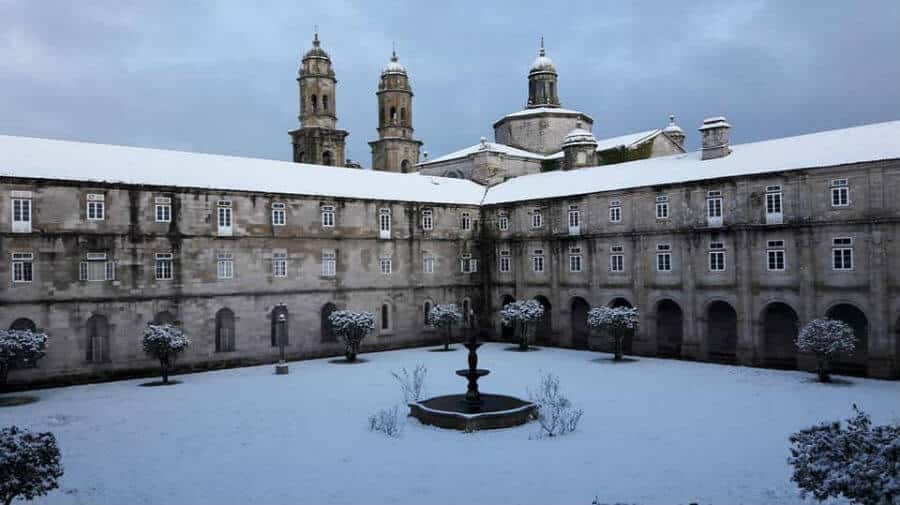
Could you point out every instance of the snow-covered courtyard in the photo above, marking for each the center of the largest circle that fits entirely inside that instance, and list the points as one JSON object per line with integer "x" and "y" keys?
{"x": 653, "y": 432}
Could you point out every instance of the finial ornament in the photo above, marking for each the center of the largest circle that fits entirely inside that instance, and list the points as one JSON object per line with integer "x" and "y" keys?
{"x": 671, "y": 119}
{"x": 393, "y": 51}
{"x": 542, "y": 53}
{"x": 316, "y": 35}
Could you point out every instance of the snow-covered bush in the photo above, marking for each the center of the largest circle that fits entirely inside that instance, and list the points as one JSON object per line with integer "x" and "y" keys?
{"x": 524, "y": 316}
{"x": 554, "y": 411}
{"x": 445, "y": 316}
{"x": 164, "y": 342}
{"x": 387, "y": 421}
{"x": 412, "y": 384}
{"x": 352, "y": 326}
{"x": 617, "y": 321}
{"x": 29, "y": 464}
{"x": 20, "y": 348}
{"x": 855, "y": 460}
{"x": 826, "y": 338}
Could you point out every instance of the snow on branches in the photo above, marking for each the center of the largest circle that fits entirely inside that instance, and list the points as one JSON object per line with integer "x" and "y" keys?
{"x": 555, "y": 413}
{"x": 20, "y": 348}
{"x": 524, "y": 316}
{"x": 617, "y": 320}
{"x": 352, "y": 327}
{"x": 164, "y": 342}
{"x": 445, "y": 316}
{"x": 853, "y": 459}
{"x": 826, "y": 338}
{"x": 29, "y": 464}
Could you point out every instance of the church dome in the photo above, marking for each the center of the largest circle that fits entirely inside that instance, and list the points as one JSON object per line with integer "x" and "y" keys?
{"x": 316, "y": 51}
{"x": 394, "y": 66}
{"x": 542, "y": 63}
{"x": 579, "y": 136}
{"x": 673, "y": 128}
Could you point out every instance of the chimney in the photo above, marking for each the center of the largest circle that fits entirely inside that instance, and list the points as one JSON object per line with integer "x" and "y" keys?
{"x": 715, "y": 138}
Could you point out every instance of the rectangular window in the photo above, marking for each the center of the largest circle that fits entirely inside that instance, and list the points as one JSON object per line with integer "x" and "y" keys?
{"x": 716, "y": 257}
{"x": 714, "y": 208}
{"x": 279, "y": 214}
{"x": 163, "y": 209}
{"x": 21, "y": 212}
{"x": 662, "y": 207}
{"x": 503, "y": 222}
{"x": 467, "y": 264}
{"x": 504, "y": 261}
{"x": 774, "y": 214}
{"x": 22, "y": 267}
{"x": 615, "y": 214}
{"x": 775, "y": 255}
{"x": 840, "y": 193}
{"x": 327, "y": 216}
{"x": 842, "y": 253}
{"x": 427, "y": 219}
{"x": 225, "y": 266}
{"x": 537, "y": 219}
{"x": 574, "y": 220}
{"x": 384, "y": 223}
{"x": 616, "y": 258}
{"x": 96, "y": 268}
{"x": 224, "y": 217}
{"x": 428, "y": 264}
{"x": 574, "y": 259}
{"x": 279, "y": 264}
{"x": 386, "y": 266}
{"x": 465, "y": 221}
{"x": 663, "y": 257}
{"x": 163, "y": 266}
{"x": 96, "y": 207}
{"x": 329, "y": 263}
{"x": 537, "y": 260}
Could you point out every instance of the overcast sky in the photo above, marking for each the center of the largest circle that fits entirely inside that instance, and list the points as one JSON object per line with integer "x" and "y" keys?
{"x": 219, "y": 76}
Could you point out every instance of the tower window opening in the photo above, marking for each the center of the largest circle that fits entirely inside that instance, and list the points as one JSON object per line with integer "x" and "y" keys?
{"x": 325, "y": 103}
{"x": 393, "y": 114}
{"x": 315, "y": 103}
{"x": 326, "y": 158}
{"x": 403, "y": 114}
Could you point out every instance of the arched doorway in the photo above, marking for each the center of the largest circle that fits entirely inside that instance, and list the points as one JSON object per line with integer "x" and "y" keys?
{"x": 426, "y": 313}
{"x": 620, "y": 302}
{"x": 276, "y": 313}
{"x": 325, "y": 327}
{"x": 544, "y": 331}
{"x": 669, "y": 329}
{"x": 23, "y": 324}
{"x": 326, "y": 158}
{"x": 856, "y": 319}
{"x": 780, "y": 327}
{"x": 224, "y": 330}
{"x": 627, "y": 341}
{"x": 721, "y": 332}
{"x": 507, "y": 331}
{"x": 97, "y": 333}
{"x": 164, "y": 317}
{"x": 581, "y": 332}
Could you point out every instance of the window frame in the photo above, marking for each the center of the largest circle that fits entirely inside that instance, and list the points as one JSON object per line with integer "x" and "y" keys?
{"x": 279, "y": 214}
{"x": 774, "y": 250}
{"x": 386, "y": 265}
{"x": 575, "y": 260}
{"x": 25, "y": 203}
{"x": 504, "y": 262}
{"x": 537, "y": 261}
{"x": 428, "y": 263}
{"x": 21, "y": 263}
{"x": 465, "y": 221}
{"x": 162, "y": 209}
{"x": 840, "y": 193}
{"x": 842, "y": 249}
{"x": 664, "y": 257}
{"x": 225, "y": 265}
{"x": 164, "y": 263}
{"x": 503, "y": 221}
{"x": 329, "y": 263}
{"x": 427, "y": 219}
{"x": 224, "y": 218}
{"x": 537, "y": 219}
{"x": 95, "y": 207}
{"x": 328, "y": 216}
{"x": 662, "y": 208}
{"x": 384, "y": 223}
{"x": 279, "y": 264}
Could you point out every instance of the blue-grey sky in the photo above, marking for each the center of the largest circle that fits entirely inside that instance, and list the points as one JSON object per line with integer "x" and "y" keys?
{"x": 219, "y": 76}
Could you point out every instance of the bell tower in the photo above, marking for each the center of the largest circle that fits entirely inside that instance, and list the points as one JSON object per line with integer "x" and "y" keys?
{"x": 542, "y": 81}
{"x": 395, "y": 150}
{"x": 318, "y": 141}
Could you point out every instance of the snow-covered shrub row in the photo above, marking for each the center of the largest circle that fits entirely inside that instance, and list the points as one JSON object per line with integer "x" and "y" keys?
{"x": 524, "y": 316}
{"x": 20, "y": 348}
{"x": 853, "y": 459}
{"x": 29, "y": 464}
{"x": 387, "y": 421}
{"x": 617, "y": 321}
{"x": 164, "y": 342}
{"x": 352, "y": 327}
{"x": 826, "y": 338}
{"x": 554, "y": 411}
{"x": 411, "y": 384}
{"x": 445, "y": 316}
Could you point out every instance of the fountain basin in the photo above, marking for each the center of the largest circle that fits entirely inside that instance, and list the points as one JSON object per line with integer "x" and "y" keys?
{"x": 454, "y": 412}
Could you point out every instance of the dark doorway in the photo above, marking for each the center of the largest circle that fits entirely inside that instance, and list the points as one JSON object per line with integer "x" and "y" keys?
{"x": 780, "y": 327}
{"x": 669, "y": 329}
{"x": 224, "y": 330}
{"x": 23, "y": 324}
{"x": 97, "y": 348}
{"x": 627, "y": 341}
{"x": 507, "y": 331}
{"x": 721, "y": 332}
{"x": 856, "y": 319}
{"x": 325, "y": 327}
{"x": 544, "y": 333}
{"x": 581, "y": 332}
{"x": 276, "y": 312}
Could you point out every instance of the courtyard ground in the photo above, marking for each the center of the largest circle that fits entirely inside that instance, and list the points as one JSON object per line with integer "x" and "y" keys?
{"x": 654, "y": 432}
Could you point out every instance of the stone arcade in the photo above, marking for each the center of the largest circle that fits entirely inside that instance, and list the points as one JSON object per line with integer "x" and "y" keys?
{"x": 725, "y": 251}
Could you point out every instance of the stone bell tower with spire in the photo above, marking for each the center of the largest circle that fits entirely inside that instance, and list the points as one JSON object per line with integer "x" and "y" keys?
{"x": 395, "y": 150}
{"x": 542, "y": 81}
{"x": 318, "y": 141}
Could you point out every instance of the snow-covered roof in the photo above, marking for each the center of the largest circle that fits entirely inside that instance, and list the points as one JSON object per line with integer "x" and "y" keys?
{"x": 872, "y": 142}
{"x": 484, "y": 147}
{"x": 82, "y": 161}
{"x": 544, "y": 110}
{"x": 625, "y": 140}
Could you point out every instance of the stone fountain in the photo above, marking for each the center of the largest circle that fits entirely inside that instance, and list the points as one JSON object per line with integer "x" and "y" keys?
{"x": 473, "y": 410}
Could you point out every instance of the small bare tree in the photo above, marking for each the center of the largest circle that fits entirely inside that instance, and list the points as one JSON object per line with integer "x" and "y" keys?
{"x": 20, "y": 349}
{"x": 826, "y": 338}
{"x": 387, "y": 421}
{"x": 164, "y": 342}
{"x": 615, "y": 320}
{"x": 445, "y": 316}
{"x": 554, "y": 411}
{"x": 352, "y": 326}
{"x": 29, "y": 464}
{"x": 411, "y": 384}
{"x": 524, "y": 316}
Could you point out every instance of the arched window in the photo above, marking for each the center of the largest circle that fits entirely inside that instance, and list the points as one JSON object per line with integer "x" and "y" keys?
{"x": 393, "y": 114}
{"x": 426, "y": 309}
{"x": 97, "y": 348}
{"x": 325, "y": 103}
{"x": 23, "y": 324}
{"x": 326, "y": 158}
{"x": 224, "y": 330}
{"x": 278, "y": 326}
{"x": 403, "y": 115}
{"x": 385, "y": 317}
{"x": 314, "y": 102}
{"x": 404, "y": 166}
{"x": 326, "y": 327}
